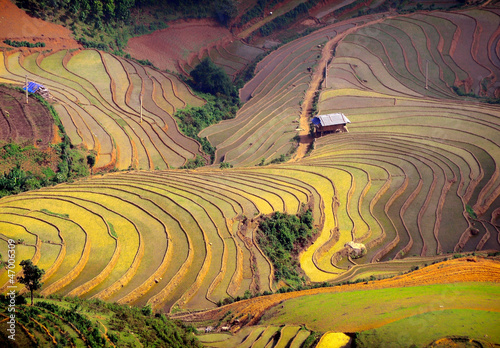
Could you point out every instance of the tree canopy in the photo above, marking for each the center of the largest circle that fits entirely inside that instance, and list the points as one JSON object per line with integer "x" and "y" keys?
{"x": 281, "y": 236}
{"x": 209, "y": 78}
{"x": 32, "y": 276}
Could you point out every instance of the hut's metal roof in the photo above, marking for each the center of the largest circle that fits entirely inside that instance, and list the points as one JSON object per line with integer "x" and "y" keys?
{"x": 330, "y": 119}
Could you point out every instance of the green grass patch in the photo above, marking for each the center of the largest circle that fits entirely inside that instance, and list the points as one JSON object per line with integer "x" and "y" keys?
{"x": 349, "y": 311}
{"x": 65, "y": 216}
{"x": 422, "y": 329}
{"x": 112, "y": 229}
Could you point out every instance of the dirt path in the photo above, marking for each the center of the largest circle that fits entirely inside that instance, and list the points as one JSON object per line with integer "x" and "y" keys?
{"x": 316, "y": 81}
{"x": 307, "y": 104}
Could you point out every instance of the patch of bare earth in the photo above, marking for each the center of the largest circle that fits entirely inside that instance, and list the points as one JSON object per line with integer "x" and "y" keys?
{"x": 16, "y": 25}
{"x": 24, "y": 123}
{"x": 181, "y": 42}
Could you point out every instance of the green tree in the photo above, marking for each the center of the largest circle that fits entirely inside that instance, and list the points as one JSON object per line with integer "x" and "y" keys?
{"x": 225, "y": 10}
{"x": 32, "y": 276}
{"x": 209, "y": 78}
{"x": 91, "y": 161}
{"x": 109, "y": 9}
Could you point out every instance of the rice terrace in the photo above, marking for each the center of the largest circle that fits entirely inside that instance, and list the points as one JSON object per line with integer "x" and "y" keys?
{"x": 249, "y": 173}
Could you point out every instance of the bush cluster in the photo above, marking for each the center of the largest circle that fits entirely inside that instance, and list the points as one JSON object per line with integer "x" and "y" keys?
{"x": 24, "y": 43}
{"x": 281, "y": 237}
{"x": 112, "y": 22}
{"x": 488, "y": 100}
{"x": 194, "y": 163}
{"x": 286, "y": 19}
{"x": 74, "y": 163}
{"x": 258, "y": 10}
{"x": 222, "y": 103}
{"x": 151, "y": 330}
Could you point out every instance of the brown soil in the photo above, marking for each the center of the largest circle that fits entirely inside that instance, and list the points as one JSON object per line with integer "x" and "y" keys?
{"x": 24, "y": 123}
{"x": 470, "y": 269}
{"x": 16, "y": 25}
{"x": 180, "y": 42}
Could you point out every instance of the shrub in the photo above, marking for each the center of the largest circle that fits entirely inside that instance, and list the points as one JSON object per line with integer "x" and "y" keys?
{"x": 209, "y": 78}
{"x": 281, "y": 236}
{"x": 24, "y": 43}
{"x": 225, "y": 165}
{"x": 194, "y": 163}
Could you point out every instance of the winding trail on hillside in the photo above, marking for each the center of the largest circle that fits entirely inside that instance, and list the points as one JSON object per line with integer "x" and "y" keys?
{"x": 318, "y": 76}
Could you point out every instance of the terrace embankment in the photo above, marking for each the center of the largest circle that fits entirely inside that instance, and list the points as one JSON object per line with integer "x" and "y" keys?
{"x": 316, "y": 84}
{"x": 467, "y": 269}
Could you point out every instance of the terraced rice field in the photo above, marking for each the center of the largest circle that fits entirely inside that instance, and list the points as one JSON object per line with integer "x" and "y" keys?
{"x": 400, "y": 181}
{"x": 258, "y": 336}
{"x": 437, "y": 149}
{"x": 98, "y": 98}
{"x": 172, "y": 239}
{"x": 265, "y": 126}
{"x": 232, "y": 56}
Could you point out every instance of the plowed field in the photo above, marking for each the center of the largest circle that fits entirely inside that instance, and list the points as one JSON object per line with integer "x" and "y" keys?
{"x": 24, "y": 123}
{"x": 16, "y": 25}
{"x": 181, "y": 41}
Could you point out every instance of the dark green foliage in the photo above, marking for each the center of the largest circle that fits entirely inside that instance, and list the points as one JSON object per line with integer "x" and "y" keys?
{"x": 19, "y": 299}
{"x": 286, "y": 19}
{"x": 218, "y": 107}
{"x": 17, "y": 180}
{"x": 489, "y": 100}
{"x": 194, "y": 163}
{"x": 32, "y": 276}
{"x": 92, "y": 44}
{"x": 209, "y": 78}
{"x": 74, "y": 163}
{"x": 23, "y": 43}
{"x": 281, "y": 237}
{"x": 281, "y": 159}
{"x": 107, "y": 24}
{"x": 91, "y": 160}
{"x": 258, "y": 10}
{"x": 224, "y": 11}
{"x": 311, "y": 340}
{"x": 471, "y": 211}
{"x": 224, "y": 165}
{"x": 221, "y": 10}
{"x": 151, "y": 331}
{"x": 146, "y": 310}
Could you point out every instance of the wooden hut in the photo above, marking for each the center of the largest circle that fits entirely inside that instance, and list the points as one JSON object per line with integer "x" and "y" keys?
{"x": 330, "y": 123}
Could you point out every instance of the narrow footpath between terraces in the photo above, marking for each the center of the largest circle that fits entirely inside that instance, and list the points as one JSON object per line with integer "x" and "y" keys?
{"x": 318, "y": 76}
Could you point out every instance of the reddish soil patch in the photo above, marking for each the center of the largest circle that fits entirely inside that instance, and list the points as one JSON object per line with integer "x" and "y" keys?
{"x": 24, "y": 123}
{"x": 180, "y": 42}
{"x": 16, "y": 25}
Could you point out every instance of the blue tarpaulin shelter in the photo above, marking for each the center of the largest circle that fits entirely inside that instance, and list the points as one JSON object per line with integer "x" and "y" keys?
{"x": 33, "y": 87}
